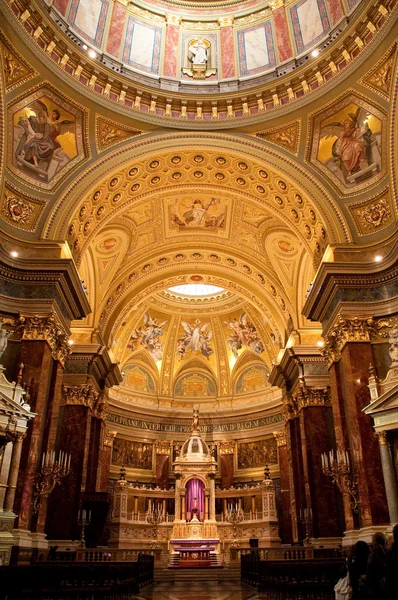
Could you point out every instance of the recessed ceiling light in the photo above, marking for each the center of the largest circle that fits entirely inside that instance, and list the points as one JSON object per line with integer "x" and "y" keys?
{"x": 84, "y": 46}
{"x": 315, "y": 53}
{"x": 320, "y": 343}
{"x": 92, "y": 53}
{"x": 378, "y": 258}
{"x": 70, "y": 342}
{"x": 14, "y": 253}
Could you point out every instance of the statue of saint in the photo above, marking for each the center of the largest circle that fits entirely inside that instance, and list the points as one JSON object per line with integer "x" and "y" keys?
{"x": 195, "y": 421}
{"x": 199, "y": 52}
{"x": 4, "y": 335}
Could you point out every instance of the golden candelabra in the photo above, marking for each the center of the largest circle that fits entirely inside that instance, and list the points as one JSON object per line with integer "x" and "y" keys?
{"x": 234, "y": 515}
{"x": 155, "y": 517}
{"x": 337, "y": 466}
{"x": 83, "y": 521}
{"x": 306, "y": 519}
{"x": 53, "y": 469}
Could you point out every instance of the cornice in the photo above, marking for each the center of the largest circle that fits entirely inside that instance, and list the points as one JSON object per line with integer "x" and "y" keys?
{"x": 335, "y": 281}
{"x": 46, "y": 272}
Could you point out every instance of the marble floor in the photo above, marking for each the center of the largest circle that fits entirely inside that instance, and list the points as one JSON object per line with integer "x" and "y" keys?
{"x": 200, "y": 590}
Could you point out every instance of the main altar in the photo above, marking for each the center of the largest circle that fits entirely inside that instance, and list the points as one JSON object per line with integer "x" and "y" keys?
{"x": 194, "y": 536}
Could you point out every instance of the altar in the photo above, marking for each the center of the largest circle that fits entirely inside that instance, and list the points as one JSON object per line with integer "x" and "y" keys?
{"x": 194, "y": 553}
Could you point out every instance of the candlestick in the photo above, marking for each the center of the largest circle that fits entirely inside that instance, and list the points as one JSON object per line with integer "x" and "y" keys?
{"x": 53, "y": 469}
{"x": 338, "y": 468}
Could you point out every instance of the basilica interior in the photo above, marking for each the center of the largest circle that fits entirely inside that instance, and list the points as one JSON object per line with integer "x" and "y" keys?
{"x": 198, "y": 278}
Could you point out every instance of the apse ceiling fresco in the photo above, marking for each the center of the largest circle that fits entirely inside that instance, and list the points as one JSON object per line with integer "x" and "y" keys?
{"x": 165, "y": 162}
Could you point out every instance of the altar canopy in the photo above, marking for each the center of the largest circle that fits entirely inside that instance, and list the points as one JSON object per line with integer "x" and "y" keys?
{"x": 195, "y": 488}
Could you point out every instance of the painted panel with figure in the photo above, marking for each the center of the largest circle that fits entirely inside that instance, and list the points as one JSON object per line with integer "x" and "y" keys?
{"x": 197, "y": 213}
{"x": 47, "y": 138}
{"x": 257, "y": 454}
{"x": 148, "y": 335}
{"x": 136, "y": 455}
{"x": 195, "y": 385}
{"x": 242, "y": 333}
{"x": 348, "y": 143}
{"x": 196, "y": 338}
{"x": 137, "y": 378}
{"x": 251, "y": 380}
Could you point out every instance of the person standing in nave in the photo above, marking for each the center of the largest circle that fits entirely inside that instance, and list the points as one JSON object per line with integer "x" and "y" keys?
{"x": 392, "y": 566}
{"x": 376, "y": 569}
{"x": 357, "y": 564}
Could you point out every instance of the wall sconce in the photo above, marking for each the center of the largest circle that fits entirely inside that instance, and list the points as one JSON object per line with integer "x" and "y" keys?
{"x": 53, "y": 469}
{"x": 337, "y": 466}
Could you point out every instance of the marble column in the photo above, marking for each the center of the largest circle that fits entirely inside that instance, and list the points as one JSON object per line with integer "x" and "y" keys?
{"x": 171, "y": 45}
{"x": 13, "y": 473}
{"x": 227, "y": 42}
{"x": 177, "y": 509}
{"x": 390, "y": 481}
{"x": 281, "y": 29}
{"x": 212, "y": 498}
{"x": 285, "y": 520}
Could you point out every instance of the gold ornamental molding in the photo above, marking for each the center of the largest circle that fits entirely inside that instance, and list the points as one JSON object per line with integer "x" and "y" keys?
{"x": 280, "y": 437}
{"x": 302, "y": 398}
{"x": 15, "y": 68}
{"x": 163, "y": 447}
{"x": 227, "y": 447}
{"x": 355, "y": 329}
{"x": 108, "y": 133}
{"x": 109, "y": 436}
{"x": 85, "y": 395}
{"x": 379, "y": 78}
{"x": 45, "y": 328}
{"x": 382, "y": 437}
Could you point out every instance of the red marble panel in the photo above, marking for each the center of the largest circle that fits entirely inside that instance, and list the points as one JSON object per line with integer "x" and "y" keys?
{"x": 340, "y": 428}
{"x": 171, "y": 54}
{"x": 335, "y": 11}
{"x": 322, "y": 495}
{"x": 36, "y": 356}
{"x": 116, "y": 29}
{"x": 105, "y": 468}
{"x": 61, "y": 6}
{"x": 226, "y": 470}
{"x": 282, "y": 34}
{"x": 365, "y": 452}
{"x": 93, "y": 463}
{"x": 286, "y": 521}
{"x": 296, "y": 483}
{"x": 162, "y": 470}
{"x": 65, "y": 499}
{"x": 227, "y": 53}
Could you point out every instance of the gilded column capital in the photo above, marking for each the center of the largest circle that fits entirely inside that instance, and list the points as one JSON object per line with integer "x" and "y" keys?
{"x": 109, "y": 436}
{"x": 353, "y": 329}
{"x": 173, "y": 19}
{"x": 309, "y": 396}
{"x": 382, "y": 437}
{"x": 100, "y": 407}
{"x": 45, "y": 328}
{"x": 163, "y": 447}
{"x": 226, "y": 447}
{"x": 226, "y": 21}
{"x": 280, "y": 437}
{"x": 290, "y": 409}
{"x": 80, "y": 395}
{"x": 275, "y": 4}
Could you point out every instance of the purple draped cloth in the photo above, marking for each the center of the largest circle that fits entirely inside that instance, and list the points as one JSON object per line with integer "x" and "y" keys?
{"x": 195, "y": 489}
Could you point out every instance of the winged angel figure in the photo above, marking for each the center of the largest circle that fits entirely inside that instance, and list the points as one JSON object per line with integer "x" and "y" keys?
{"x": 37, "y": 147}
{"x": 148, "y": 335}
{"x": 195, "y": 338}
{"x": 352, "y": 149}
{"x": 243, "y": 333}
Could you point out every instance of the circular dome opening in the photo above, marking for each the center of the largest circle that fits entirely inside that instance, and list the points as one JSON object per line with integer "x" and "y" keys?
{"x": 196, "y": 289}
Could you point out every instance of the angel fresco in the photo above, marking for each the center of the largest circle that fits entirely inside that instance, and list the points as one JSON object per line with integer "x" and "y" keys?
{"x": 198, "y": 213}
{"x": 195, "y": 338}
{"x": 38, "y": 149}
{"x": 243, "y": 333}
{"x": 355, "y": 151}
{"x": 148, "y": 335}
